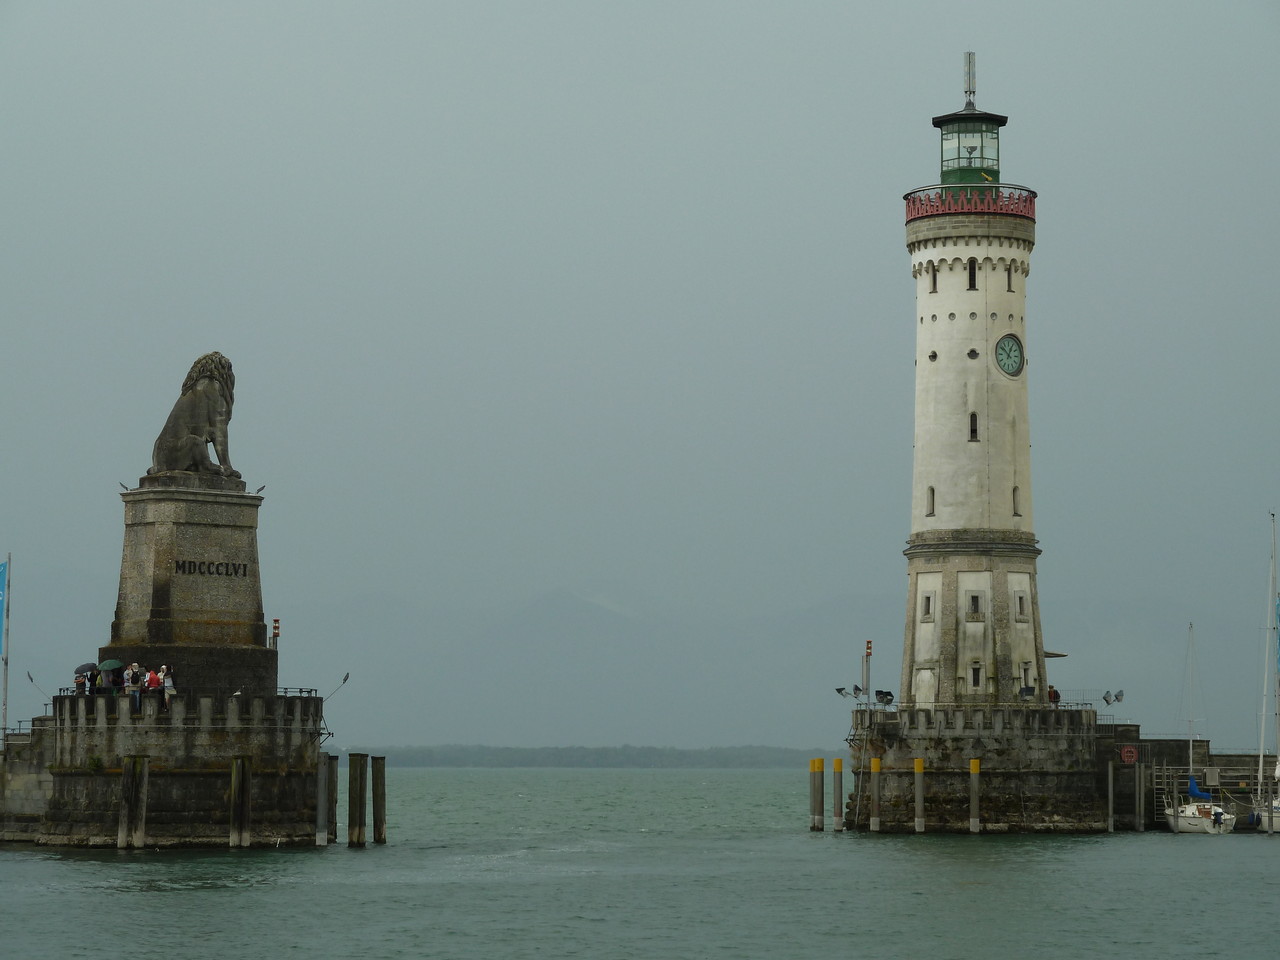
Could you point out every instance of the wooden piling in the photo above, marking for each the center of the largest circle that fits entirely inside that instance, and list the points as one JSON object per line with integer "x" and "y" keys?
{"x": 132, "y": 828}
{"x": 379, "y": 799}
{"x": 819, "y": 794}
{"x": 322, "y": 799}
{"x": 241, "y": 830}
{"x": 1138, "y": 818}
{"x": 837, "y": 795}
{"x": 1111, "y": 796}
{"x": 919, "y": 766}
{"x": 812, "y": 814}
{"x": 357, "y": 785}
{"x": 975, "y": 792}
{"x": 873, "y": 822}
{"x": 332, "y": 793}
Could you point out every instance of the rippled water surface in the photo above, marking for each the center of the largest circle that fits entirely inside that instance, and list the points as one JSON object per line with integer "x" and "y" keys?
{"x": 646, "y": 864}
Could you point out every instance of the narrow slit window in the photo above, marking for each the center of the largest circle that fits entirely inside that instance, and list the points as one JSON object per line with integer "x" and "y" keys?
{"x": 1008, "y": 276}
{"x": 1017, "y": 504}
{"x": 929, "y": 503}
{"x": 975, "y": 675}
{"x": 973, "y": 426}
{"x": 973, "y": 273}
{"x": 933, "y": 278}
{"x": 975, "y": 603}
{"x": 1022, "y": 605}
{"x": 927, "y": 608}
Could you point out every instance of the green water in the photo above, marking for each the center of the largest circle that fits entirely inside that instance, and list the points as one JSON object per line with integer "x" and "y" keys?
{"x": 646, "y": 864}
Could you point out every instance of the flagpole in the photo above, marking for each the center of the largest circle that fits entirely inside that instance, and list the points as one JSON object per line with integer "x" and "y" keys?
{"x": 4, "y": 652}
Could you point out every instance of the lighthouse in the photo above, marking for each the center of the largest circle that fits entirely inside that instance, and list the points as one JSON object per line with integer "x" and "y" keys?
{"x": 973, "y": 624}
{"x": 973, "y": 742}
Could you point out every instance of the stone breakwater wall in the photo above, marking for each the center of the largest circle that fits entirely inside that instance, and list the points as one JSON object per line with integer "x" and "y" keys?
{"x": 189, "y": 776}
{"x": 1039, "y": 770}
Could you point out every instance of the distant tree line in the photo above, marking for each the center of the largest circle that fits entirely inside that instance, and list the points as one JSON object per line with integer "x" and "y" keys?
{"x": 724, "y": 758}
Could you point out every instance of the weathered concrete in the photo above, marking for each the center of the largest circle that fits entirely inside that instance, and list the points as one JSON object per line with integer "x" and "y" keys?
{"x": 1038, "y": 770}
{"x": 65, "y": 784}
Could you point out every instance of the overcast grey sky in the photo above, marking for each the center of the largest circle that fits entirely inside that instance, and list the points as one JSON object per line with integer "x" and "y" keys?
{"x": 574, "y": 342}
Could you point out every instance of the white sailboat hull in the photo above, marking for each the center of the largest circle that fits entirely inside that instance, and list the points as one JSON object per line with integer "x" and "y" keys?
{"x": 1199, "y": 818}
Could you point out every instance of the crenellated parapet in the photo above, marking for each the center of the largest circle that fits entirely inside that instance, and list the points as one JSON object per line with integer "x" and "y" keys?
{"x": 965, "y": 721}
{"x": 194, "y": 733}
{"x": 995, "y": 199}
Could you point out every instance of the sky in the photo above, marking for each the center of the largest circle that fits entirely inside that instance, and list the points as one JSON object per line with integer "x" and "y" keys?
{"x": 573, "y": 343}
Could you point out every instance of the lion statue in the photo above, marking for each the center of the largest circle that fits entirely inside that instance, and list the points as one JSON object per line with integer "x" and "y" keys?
{"x": 198, "y": 419}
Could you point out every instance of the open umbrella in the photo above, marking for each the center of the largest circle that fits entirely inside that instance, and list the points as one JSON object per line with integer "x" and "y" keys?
{"x": 86, "y": 668}
{"x": 110, "y": 665}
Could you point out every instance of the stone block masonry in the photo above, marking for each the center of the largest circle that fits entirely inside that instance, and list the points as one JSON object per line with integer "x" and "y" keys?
{"x": 67, "y": 783}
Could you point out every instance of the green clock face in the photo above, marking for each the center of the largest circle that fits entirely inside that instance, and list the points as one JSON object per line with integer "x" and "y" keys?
{"x": 1009, "y": 354}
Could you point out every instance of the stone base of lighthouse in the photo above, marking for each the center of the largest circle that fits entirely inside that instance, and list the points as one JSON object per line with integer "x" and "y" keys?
{"x": 1036, "y": 771}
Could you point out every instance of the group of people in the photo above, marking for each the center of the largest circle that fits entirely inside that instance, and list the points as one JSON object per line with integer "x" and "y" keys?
{"x": 133, "y": 680}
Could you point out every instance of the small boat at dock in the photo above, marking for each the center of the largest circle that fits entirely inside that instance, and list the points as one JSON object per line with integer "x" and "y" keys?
{"x": 1199, "y": 814}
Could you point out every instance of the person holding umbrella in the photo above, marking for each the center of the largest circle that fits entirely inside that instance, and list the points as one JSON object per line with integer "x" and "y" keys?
{"x": 111, "y": 681}
{"x": 82, "y": 677}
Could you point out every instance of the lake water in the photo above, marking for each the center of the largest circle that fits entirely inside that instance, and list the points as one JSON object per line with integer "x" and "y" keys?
{"x": 646, "y": 864}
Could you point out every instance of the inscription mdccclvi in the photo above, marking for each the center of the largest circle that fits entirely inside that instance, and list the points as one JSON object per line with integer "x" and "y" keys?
{"x": 211, "y": 568}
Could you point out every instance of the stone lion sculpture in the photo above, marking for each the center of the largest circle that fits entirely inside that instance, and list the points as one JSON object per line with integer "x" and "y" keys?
{"x": 198, "y": 419}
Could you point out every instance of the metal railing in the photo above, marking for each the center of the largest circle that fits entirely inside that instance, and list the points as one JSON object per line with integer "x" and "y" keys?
{"x": 123, "y": 691}
{"x": 1005, "y": 199}
{"x": 1031, "y": 704}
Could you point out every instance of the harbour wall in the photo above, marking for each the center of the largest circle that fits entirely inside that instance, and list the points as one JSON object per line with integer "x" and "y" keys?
{"x": 205, "y": 770}
{"x": 1037, "y": 770}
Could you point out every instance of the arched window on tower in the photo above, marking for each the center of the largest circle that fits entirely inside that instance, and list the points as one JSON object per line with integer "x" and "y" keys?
{"x": 973, "y": 427}
{"x": 1017, "y": 504}
{"x": 973, "y": 273}
{"x": 929, "y": 503}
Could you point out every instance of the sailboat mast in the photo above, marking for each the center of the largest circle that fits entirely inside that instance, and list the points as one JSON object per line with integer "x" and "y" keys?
{"x": 1268, "y": 646}
{"x": 1274, "y": 620}
{"x": 4, "y": 647}
{"x": 1191, "y": 736}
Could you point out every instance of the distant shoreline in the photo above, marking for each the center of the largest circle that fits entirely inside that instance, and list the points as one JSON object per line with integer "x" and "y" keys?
{"x": 455, "y": 755}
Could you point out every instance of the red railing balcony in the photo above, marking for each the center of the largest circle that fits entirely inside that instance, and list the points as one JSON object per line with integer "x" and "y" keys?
{"x": 1006, "y": 199}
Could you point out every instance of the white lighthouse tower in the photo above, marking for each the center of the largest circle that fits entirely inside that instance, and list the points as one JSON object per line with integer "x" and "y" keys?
{"x": 974, "y": 742}
{"x": 973, "y": 624}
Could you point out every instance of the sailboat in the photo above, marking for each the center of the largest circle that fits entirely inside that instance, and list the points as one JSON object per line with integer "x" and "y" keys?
{"x": 1198, "y": 814}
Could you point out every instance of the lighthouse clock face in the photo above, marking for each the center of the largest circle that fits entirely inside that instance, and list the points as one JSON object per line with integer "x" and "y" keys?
{"x": 1009, "y": 356}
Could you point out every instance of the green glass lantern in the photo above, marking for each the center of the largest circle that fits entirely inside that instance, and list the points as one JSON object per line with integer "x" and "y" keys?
{"x": 970, "y": 139}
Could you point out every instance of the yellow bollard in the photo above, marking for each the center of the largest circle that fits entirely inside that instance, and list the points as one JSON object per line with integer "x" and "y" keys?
{"x": 837, "y": 795}
{"x": 975, "y": 822}
{"x": 919, "y": 765}
{"x": 873, "y": 824}
{"x": 812, "y": 773}
{"x": 819, "y": 795}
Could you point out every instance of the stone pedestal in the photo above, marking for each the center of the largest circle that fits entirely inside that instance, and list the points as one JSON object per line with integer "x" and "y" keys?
{"x": 1039, "y": 770}
{"x": 190, "y": 591}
